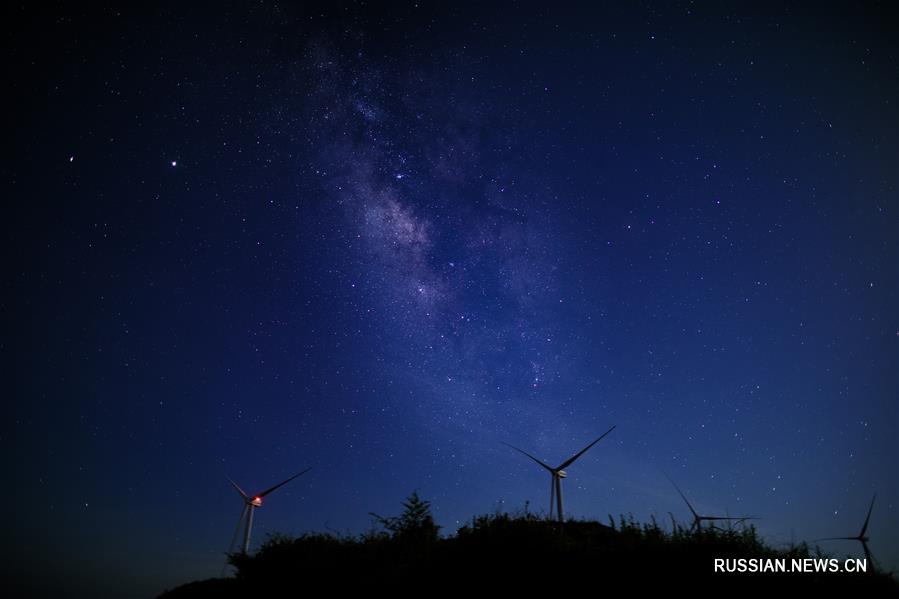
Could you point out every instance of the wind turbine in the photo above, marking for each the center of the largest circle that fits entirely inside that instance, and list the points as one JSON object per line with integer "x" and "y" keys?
{"x": 558, "y": 473}
{"x": 250, "y": 503}
{"x": 862, "y": 536}
{"x": 698, "y": 519}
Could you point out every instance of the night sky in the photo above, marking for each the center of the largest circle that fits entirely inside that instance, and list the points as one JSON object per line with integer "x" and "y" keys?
{"x": 381, "y": 240}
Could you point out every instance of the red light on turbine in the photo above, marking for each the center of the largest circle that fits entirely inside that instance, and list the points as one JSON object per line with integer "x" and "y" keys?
{"x": 257, "y": 501}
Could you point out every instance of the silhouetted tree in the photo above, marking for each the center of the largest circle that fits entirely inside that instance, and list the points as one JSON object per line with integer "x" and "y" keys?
{"x": 415, "y": 525}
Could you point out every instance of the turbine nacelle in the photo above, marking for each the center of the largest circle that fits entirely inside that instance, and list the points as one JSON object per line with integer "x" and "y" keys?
{"x": 255, "y": 502}
{"x": 561, "y": 473}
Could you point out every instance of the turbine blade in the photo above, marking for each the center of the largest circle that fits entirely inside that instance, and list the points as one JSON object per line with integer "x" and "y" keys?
{"x": 836, "y": 539}
{"x": 530, "y": 456}
{"x": 282, "y": 483}
{"x": 243, "y": 513}
{"x": 868, "y": 518}
{"x": 571, "y": 460}
{"x": 684, "y": 497}
{"x": 239, "y": 490}
{"x": 869, "y": 560}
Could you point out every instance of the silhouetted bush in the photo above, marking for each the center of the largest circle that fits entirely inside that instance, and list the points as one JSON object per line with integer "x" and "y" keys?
{"x": 518, "y": 552}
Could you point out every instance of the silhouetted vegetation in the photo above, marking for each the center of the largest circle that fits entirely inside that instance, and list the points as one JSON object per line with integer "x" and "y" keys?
{"x": 518, "y": 551}
{"x": 414, "y": 528}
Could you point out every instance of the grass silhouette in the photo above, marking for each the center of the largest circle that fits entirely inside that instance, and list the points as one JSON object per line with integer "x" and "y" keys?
{"x": 522, "y": 552}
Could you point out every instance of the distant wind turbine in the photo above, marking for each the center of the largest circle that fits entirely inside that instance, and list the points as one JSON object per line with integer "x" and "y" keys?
{"x": 250, "y": 503}
{"x": 558, "y": 473}
{"x": 862, "y": 536}
{"x": 698, "y": 519}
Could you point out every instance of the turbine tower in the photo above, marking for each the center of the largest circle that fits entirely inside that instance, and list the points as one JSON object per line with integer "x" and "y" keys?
{"x": 698, "y": 519}
{"x": 558, "y": 473}
{"x": 862, "y": 536}
{"x": 250, "y": 503}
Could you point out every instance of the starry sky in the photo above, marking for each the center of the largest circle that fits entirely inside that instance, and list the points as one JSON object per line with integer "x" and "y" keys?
{"x": 380, "y": 240}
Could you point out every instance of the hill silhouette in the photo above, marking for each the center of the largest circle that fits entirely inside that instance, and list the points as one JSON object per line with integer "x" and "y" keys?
{"x": 523, "y": 552}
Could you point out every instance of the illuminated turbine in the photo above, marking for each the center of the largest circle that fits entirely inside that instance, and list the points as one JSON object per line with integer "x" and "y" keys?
{"x": 558, "y": 473}
{"x": 250, "y": 503}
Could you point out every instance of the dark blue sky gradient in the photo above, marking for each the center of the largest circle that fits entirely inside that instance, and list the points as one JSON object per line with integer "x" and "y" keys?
{"x": 379, "y": 241}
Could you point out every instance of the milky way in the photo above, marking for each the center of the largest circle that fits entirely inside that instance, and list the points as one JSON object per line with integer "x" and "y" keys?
{"x": 453, "y": 253}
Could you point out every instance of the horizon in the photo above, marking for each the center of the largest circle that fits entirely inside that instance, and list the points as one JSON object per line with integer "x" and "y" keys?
{"x": 382, "y": 241}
